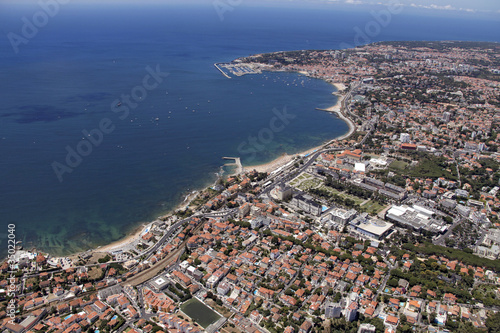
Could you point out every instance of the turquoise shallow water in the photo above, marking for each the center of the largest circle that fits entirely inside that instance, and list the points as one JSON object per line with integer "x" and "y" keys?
{"x": 68, "y": 78}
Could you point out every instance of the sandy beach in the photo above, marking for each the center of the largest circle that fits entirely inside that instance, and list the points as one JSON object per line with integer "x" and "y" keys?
{"x": 340, "y": 86}
{"x": 131, "y": 238}
{"x": 271, "y": 166}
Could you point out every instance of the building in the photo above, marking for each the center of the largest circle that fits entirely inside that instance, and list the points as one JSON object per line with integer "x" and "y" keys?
{"x": 223, "y": 288}
{"x": 392, "y": 191}
{"x": 374, "y": 185}
{"x": 492, "y": 238}
{"x": 283, "y": 192}
{"x": 463, "y": 210}
{"x": 342, "y": 216}
{"x": 446, "y": 117}
{"x": 491, "y": 253}
{"x": 416, "y": 217}
{"x": 404, "y": 138}
{"x": 181, "y": 278}
{"x": 351, "y": 156}
{"x": 351, "y": 312}
{"x": 448, "y": 203}
{"x": 333, "y": 310}
{"x": 194, "y": 273}
{"x": 259, "y": 221}
{"x": 113, "y": 290}
{"x": 307, "y": 204}
{"x": 372, "y": 228}
{"x": 305, "y": 327}
{"x": 409, "y": 146}
{"x": 366, "y": 328}
{"x": 159, "y": 283}
{"x": 243, "y": 210}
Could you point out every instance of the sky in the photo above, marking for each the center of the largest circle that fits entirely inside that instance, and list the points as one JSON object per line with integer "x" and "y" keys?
{"x": 472, "y": 6}
{"x": 465, "y": 6}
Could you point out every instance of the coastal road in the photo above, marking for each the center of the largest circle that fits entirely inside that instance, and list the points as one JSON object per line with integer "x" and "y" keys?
{"x": 154, "y": 270}
{"x": 149, "y": 252}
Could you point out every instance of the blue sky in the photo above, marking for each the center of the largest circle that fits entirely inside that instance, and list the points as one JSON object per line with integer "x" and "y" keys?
{"x": 470, "y": 6}
{"x": 491, "y": 6}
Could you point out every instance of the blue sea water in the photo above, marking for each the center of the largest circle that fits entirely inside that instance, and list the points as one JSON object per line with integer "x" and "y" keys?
{"x": 69, "y": 76}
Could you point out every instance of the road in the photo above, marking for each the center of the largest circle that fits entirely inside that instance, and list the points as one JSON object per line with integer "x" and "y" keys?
{"x": 173, "y": 256}
{"x": 442, "y": 239}
{"x": 154, "y": 270}
{"x": 386, "y": 278}
{"x": 152, "y": 250}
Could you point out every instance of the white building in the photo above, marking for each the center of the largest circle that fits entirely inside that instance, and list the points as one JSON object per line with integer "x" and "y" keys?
{"x": 366, "y": 328}
{"x": 371, "y": 228}
{"x": 404, "y": 138}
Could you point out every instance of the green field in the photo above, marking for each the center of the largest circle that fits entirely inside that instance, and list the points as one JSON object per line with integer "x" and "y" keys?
{"x": 310, "y": 183}
{"x": 343, "y": 195}
{"x": 372, "y": 207}
{"x": 398, "y": 165}
{"x": 305, "y": 182}
{"x": 357, "y": 200}
{"x": 329, "y": 189}
{"x": 199, "y": 312}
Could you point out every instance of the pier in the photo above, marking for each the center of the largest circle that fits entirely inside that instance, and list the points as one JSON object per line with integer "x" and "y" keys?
{"x": 237, "y": 162}
{"x": 223, "y": 73}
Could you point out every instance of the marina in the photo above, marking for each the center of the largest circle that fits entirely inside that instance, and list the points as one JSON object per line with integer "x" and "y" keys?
{"x": 237, "y": 69}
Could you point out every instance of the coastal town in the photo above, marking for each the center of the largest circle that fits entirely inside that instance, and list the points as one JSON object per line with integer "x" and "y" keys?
{"x": 391, "y": 228}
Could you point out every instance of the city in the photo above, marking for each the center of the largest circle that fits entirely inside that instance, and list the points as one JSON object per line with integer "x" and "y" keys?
{"x": 393, "y": 228}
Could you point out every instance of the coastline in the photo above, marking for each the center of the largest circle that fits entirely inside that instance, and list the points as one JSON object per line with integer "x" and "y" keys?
{"x": 269, "y": 167}
{"x": 138, "y": 232}
{"x": 337, "y": 109}
{"x": 127, "y": 240}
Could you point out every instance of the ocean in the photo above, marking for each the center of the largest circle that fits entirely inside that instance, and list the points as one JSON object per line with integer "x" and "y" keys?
{"x": 79, "y": 170}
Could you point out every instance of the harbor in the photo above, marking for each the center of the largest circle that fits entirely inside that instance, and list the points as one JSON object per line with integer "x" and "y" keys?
{"x": 237, "y": 69}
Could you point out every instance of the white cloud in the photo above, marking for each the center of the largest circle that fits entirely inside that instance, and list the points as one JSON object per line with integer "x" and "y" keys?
{"x": 445, "y": 7}
{"x": 354, "y": 2}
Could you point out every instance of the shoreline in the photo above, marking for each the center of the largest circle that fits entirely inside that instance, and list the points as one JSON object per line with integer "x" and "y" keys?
{"x": 264, "y": 167}
{"x": 285, "y": 158}
{"x": 137, "y": 233}
{"x": 127, "y": 240}
{"x": 268, "y": 167}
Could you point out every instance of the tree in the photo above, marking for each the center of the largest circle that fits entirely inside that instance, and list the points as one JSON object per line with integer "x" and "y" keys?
{"x": 392, "y": 282}
{"x": 432, "y": 318}
{"x": 493, "y": 323}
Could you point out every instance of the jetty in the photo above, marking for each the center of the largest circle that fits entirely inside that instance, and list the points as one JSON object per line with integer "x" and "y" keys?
{"x": 237, "y": 163}
{"x": 220, "y": 69}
